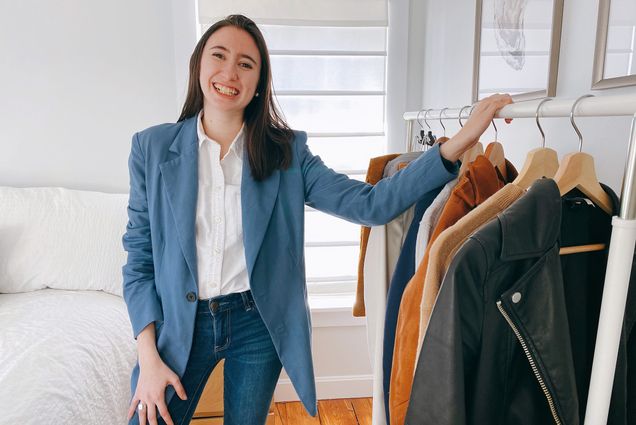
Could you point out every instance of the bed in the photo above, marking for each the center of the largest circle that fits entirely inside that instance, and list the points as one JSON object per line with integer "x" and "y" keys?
{"x": 66, "y": 344}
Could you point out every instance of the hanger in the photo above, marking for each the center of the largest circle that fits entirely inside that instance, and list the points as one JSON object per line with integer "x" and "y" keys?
{"x": 577, "y": 171}
{"x": 430, "y": 138}
{"x": 540, "y": 162}
{"x": 419, "y": 139}
{"x": 472, "y": 153}
{"x": 495, "y": 154}
{"x": 442, "y": 139}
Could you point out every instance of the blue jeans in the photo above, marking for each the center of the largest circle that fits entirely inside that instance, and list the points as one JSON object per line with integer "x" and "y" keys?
{"x": 229, "y": 327}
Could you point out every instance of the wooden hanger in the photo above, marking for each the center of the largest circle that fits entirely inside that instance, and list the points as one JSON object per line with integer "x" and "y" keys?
{"x": 577, "y": 171}
{"x": 469, "y": 156}
{"x": 540, "y": 162}
{"x": 472, "y": 153}
{"x": 495, "y": 154}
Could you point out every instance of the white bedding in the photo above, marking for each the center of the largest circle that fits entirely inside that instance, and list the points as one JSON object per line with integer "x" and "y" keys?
{"x": 70, "y": 363}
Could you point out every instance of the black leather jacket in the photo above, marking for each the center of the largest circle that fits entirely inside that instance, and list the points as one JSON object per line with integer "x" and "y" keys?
{"x": 511, "y": 338}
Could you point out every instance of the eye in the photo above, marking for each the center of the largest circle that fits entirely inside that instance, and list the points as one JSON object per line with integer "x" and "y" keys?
{"x": 246, "y": 65}
{"x": 218, "y": 55}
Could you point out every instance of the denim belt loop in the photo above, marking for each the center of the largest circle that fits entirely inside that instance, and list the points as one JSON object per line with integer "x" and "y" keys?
{"x": 246, "y": 301}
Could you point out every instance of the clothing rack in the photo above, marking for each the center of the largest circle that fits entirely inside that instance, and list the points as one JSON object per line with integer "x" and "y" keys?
{"x": 623, "y": 239}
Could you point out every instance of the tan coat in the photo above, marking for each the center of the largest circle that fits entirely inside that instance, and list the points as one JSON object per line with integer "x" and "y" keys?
{"x": 450, "y": 240}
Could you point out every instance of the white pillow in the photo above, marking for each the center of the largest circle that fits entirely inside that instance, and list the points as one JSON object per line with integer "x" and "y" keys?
{"x": 62, "y": 239}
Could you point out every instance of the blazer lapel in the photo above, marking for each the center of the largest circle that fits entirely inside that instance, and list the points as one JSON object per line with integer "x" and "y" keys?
{"x": 257, "y": 201}
{"x": 181, "y": 180}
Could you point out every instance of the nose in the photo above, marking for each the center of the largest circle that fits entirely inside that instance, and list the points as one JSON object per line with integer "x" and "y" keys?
{"x": 230, "y": 71}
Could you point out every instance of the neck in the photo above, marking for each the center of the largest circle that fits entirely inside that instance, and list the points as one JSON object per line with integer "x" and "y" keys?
{"x": 221, "y": 127}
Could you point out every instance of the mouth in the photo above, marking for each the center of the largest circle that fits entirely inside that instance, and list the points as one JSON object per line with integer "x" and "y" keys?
{"x": 225, "y": 90}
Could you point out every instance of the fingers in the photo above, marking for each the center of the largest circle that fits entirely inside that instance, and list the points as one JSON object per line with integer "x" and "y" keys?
{"x": 133, "y": 407}
{"x": 495, "y": 102}
{"x": 142, "y": 414}
{"x": 176, "y": 383}
{"x": 148, "y": 412}
{"x": 151, "y": 410}
{"x": 163, "y": 411}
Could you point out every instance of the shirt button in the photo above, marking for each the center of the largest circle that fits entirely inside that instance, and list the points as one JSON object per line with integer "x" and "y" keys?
{"x": 191, "y": 296}
{"x": 218, "y": 219}
{"x": 217, "y": 250}
{"x": 218, "y": 188}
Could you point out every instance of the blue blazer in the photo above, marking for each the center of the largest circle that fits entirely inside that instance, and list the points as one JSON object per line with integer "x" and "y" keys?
{"x": 160, "y": 275}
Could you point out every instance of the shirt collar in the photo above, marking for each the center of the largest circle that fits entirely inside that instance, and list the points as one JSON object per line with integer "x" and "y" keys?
{"x": 237, "y": 144}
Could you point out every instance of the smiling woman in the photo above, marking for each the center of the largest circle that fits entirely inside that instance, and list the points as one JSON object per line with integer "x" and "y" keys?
{"x": 215, "y": 266}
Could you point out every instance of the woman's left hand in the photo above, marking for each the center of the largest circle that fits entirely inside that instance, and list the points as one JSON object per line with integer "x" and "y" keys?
{"x": 480, "y": 118}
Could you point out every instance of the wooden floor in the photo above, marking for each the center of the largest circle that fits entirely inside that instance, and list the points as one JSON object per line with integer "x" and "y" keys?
{"x": 350, "y": 411}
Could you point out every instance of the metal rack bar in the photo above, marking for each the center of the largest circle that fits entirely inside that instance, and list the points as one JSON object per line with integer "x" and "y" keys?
{"x": 598, "y": 106}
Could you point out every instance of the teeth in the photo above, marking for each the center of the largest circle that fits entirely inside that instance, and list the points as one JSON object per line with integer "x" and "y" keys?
{"x": 225, "y": 90}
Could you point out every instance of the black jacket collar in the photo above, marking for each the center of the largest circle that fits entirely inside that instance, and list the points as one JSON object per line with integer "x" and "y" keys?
{"x": 540, "y": 205}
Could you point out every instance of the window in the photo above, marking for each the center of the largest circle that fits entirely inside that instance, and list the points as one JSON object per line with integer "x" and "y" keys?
{"x": 330, "y": 82}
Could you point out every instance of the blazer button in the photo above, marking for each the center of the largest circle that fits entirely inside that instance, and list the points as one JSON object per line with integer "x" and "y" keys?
{"x": 191, "y": 296}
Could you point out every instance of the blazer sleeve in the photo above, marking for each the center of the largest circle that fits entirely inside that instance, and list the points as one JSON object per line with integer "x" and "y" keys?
{"x": 139, "y": 289}
{"x": 366, "y": 204}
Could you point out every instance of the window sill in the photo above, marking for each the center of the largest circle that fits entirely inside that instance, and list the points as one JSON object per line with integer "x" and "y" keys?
{"x": 333, "y": 310}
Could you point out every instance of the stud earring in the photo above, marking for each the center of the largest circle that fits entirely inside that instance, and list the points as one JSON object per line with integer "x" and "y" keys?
{"x": 256, "y": 95}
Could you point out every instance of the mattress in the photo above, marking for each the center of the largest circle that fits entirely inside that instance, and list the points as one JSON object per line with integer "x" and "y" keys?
{"x": 65, "y": 358}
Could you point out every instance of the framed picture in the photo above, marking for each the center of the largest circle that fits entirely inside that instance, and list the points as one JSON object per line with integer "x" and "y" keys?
{"x": 614, "y": 60}
{"x": 517, "y": 48}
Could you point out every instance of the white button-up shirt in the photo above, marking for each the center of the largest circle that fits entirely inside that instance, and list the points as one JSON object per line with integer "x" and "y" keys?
{"x": 221, "y": 264}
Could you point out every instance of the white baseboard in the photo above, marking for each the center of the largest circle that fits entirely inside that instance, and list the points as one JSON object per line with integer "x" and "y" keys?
{"x": 329, "y": 387}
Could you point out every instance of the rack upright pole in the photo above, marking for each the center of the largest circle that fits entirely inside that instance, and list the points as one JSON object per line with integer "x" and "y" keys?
{"x": 619, "y": 267}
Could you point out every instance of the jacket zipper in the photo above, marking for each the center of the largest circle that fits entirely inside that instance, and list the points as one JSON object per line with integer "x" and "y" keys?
{"x": 548, "y": 396}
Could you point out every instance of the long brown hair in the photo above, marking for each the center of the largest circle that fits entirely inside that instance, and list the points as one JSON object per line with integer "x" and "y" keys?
{"x": 267, "y": 134}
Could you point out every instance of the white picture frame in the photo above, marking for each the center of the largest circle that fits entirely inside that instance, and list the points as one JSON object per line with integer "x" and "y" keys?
{"x": 615, "y": 55}
{"x": 517, "y": 48}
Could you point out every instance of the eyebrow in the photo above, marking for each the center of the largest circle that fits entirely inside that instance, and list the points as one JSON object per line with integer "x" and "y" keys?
{"x": 243, "y": 55}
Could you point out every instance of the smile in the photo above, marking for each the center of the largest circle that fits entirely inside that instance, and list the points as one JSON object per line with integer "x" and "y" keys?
{"x": 228, "y": 91}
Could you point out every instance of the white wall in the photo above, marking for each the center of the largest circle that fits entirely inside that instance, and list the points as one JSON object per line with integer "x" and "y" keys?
{"x": 77, "y": 80}
{"x": 447, "y": 77}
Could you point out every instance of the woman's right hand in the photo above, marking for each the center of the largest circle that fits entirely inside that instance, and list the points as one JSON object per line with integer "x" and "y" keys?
{"x": 480, "y": 118}
{"x": 154, "y": 377}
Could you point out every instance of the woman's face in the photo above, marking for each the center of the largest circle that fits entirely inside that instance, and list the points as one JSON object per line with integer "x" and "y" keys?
{"x": 230, "y": 68}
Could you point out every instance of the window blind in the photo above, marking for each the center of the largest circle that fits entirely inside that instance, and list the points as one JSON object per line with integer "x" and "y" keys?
{"x": 348, "y": 13}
